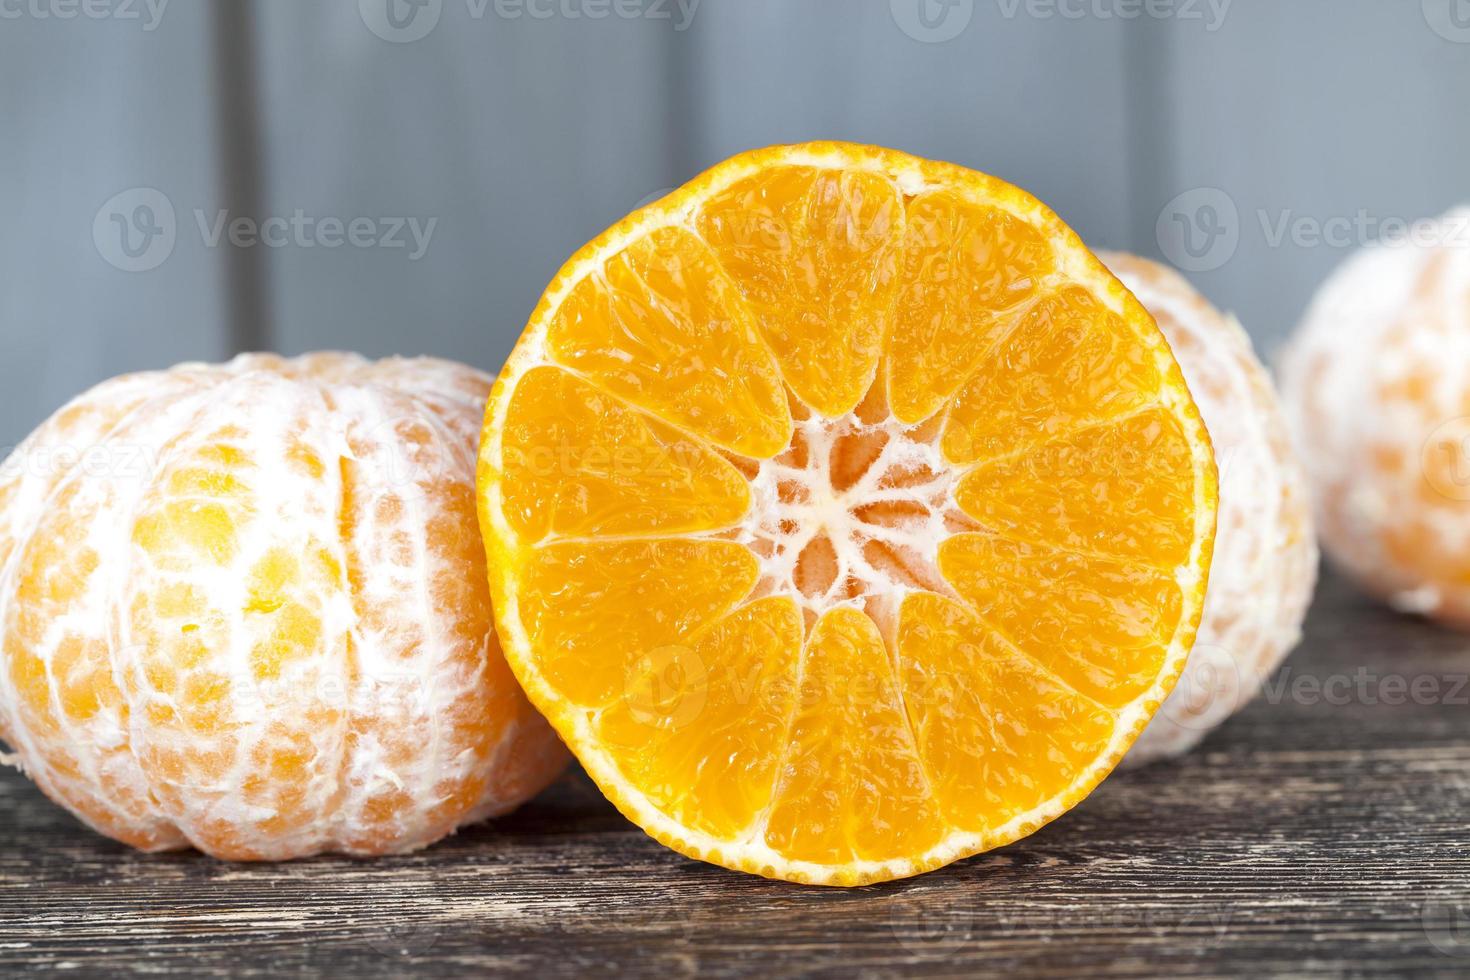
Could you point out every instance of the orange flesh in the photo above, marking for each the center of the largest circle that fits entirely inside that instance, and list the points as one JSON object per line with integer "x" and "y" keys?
{"x": 829, "y": 720}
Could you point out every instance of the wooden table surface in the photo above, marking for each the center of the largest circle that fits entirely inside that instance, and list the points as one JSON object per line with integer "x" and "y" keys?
{"x": 1326, "y": 829}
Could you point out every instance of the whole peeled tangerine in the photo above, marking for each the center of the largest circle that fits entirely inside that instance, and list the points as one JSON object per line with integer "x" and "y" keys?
{"x": 245, "y": 608}
{"x": 1265, "y": 563}
{"x": 1376, "y": 384}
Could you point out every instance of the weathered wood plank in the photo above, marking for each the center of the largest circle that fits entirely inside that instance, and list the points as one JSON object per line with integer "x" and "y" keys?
{"x": 1305, "y": 837}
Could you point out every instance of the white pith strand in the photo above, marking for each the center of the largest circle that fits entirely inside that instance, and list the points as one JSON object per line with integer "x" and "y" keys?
{"x": 831, "y": 512}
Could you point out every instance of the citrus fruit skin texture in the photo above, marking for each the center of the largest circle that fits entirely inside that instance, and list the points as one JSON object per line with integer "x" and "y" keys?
{"x": 845, "y": 515}
{"x": 1376, "y": 387}
{"x": 1265, "y": 563}
{"x": 243, "y": 609}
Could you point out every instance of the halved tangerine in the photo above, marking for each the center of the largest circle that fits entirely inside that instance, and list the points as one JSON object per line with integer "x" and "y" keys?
{"x": 846, "y": 516}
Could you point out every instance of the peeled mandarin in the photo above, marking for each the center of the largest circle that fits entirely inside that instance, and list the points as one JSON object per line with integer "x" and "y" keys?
{"x": 244, "y": 608}
{"x": 1376, "y": 386}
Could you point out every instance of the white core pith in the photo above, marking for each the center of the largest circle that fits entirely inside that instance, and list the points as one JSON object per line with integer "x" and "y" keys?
{"x": 852, "y": 514}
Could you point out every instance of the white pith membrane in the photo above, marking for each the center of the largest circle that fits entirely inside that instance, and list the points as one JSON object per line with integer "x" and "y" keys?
{"x": 392, "y": 669}
{"x": 853, "y": 513}
{"x": 850, "y": 514}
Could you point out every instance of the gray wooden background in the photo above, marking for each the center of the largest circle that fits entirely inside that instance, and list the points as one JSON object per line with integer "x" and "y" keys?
{"x": 1195, "y": 130}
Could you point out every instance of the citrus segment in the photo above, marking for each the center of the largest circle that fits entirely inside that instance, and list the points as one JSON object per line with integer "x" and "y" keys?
{"x": 52, "y": 555}
{"x": 971, "y": 550}
{"x": 1096, "y": 622}
{"x": 57, "y": 570}
{"x": 663, "y": 326}
{"x": 580, "y": 462}
{"x": 1070, "y": 362}
{"x": 852, "y": 787}
{"x": 701, "y": 726}
{"x": 998, "y": 735}
{"x": 968, "y": 269}
{"x": 1264, "y": 561}
{"x": 595, "y": 609}
{"x": 815, "y": 254}
{"x": 383, "y": 530}
{"x": 1112, "y": 488}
